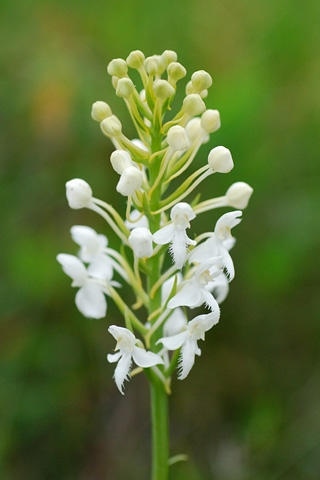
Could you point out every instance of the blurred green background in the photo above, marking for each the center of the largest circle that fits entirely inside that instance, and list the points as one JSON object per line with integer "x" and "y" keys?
{"x": 250, "y": 407}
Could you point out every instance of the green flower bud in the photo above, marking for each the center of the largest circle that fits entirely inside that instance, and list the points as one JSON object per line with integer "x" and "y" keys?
{"x": 135, "y": 59}
{"x": 100, "y": 111}
{"x": 169, "y": 56}
{"x": 163, "y": 89}
{"x": 193, "y": 104}
{"x": 177, "y": 138}
{"x": 151, "y": 64}
{"x": 210, "y": 121}
{"x": 176, "y": 71}
{"x": 111, "y": 126}
{"x": 124, "y": 87}
{"x": 189, "y": 88}
{"x": 117, "y": 68}
{"x": 201, "y": 80}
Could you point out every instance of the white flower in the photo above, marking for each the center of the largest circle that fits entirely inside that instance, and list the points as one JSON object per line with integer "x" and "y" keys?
{"x": 128, "y": 351}
{"x": 177, "y": 319}
{"x": 175, "y": 233}
{"x": 93, "y": 251}
{"x": 194, "y": 292}
{"x": 140, "y": 240}
{"x": 219, "y": 243}
{"x": 219, "y": 287}
{"x": 90, "y": 299}
{"x": 188, "y": 339}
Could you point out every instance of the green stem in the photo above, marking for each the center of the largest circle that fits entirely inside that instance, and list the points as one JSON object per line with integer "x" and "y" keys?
{"x": 159, "y": 396}
{"x": 160, "y": 431}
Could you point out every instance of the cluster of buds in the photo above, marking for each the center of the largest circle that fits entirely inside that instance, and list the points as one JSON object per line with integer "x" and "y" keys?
{"x": 159, "y": 332}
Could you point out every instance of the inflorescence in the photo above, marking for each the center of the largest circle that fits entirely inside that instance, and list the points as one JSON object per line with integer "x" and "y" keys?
{"x": 158, "y": 334}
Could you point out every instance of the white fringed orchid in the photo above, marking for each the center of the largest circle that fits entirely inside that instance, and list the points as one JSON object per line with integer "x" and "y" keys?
{"x": 175, "y": 232}
{"x": 194, "y": 292}
{"x": 128, "y": 351}
{"x": 93, "y": 250}
{"x": 90, "y": 299}
{"x": 219, "y": 243}
{"x": 188, "y": 339}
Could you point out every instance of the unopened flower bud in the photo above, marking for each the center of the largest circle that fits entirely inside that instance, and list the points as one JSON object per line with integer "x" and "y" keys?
{"x": 124, "y": 87}
{"x": 130, "y": 180}
{"x": 169, "y": 56}
{"x": 140, "y": 240}
{"x": 194, "y": 130}
{"x": 177, "y": 138}
{"x": 114, "y": 81}
{"x": 79, "y": 193}
{"x": 117, "y": 68}
{"x": 163, "y": 89}
{"x": 201, "y": 80}
{"x": 100, "y": 111}
{"x": 210, "y": 121}
{"x": 151, "y": 64}
{"x": 220, "y": 160}
{"x": 176, "y": 71}
{"x": 189, "y": 88}
{"x": 111, "y": 126}
{"x": 204, "y": 93}
{"x": 193, "y": 104}
{"x": 135, "y": 59}
{"x": 238, "y": 195}
{"x": 120, "y": 160}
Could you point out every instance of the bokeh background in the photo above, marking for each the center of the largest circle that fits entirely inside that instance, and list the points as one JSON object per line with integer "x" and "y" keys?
{"x": 250, "y": 407}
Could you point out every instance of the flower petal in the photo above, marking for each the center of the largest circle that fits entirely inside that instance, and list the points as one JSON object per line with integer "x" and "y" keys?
{"x": 219, "y": 287}
{"x": 164, "y": 235}
{"x": 175, "y": 323}
{"x": 187, "y": 358}
{"x": 122, "y": 371}
{"x": 118, "y": 332}
{"x": 145, "y": 359}
{"x": 90, "y": 241}
{"x": 210, "y": 300}
{"x": 174, "y": 342}
{"x": 91, "y": 302}
{"x": 101, "y": 268}
{"x": 113, "y": 357}
{"x": 189, "y": 296}
{"x": 225, "y": 223}
{"x": 74, "y": 268}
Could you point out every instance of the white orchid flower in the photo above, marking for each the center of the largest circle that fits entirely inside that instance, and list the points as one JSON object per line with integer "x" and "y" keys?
{"x": 128, "y": 351}
{"x": 177, "y": 320}
{"x": 194, "y": 292}
{"x": 93, "y": 251}
{"x": 195, "y": 330}
{"x": 90, "y": 299}
{"x": 175, "y": 232}
{"x": 219, "y": 243}
{"x": 219, "y": 287}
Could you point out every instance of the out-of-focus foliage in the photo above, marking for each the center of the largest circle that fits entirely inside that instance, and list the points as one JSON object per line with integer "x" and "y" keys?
{"x": 249, "y": 410}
